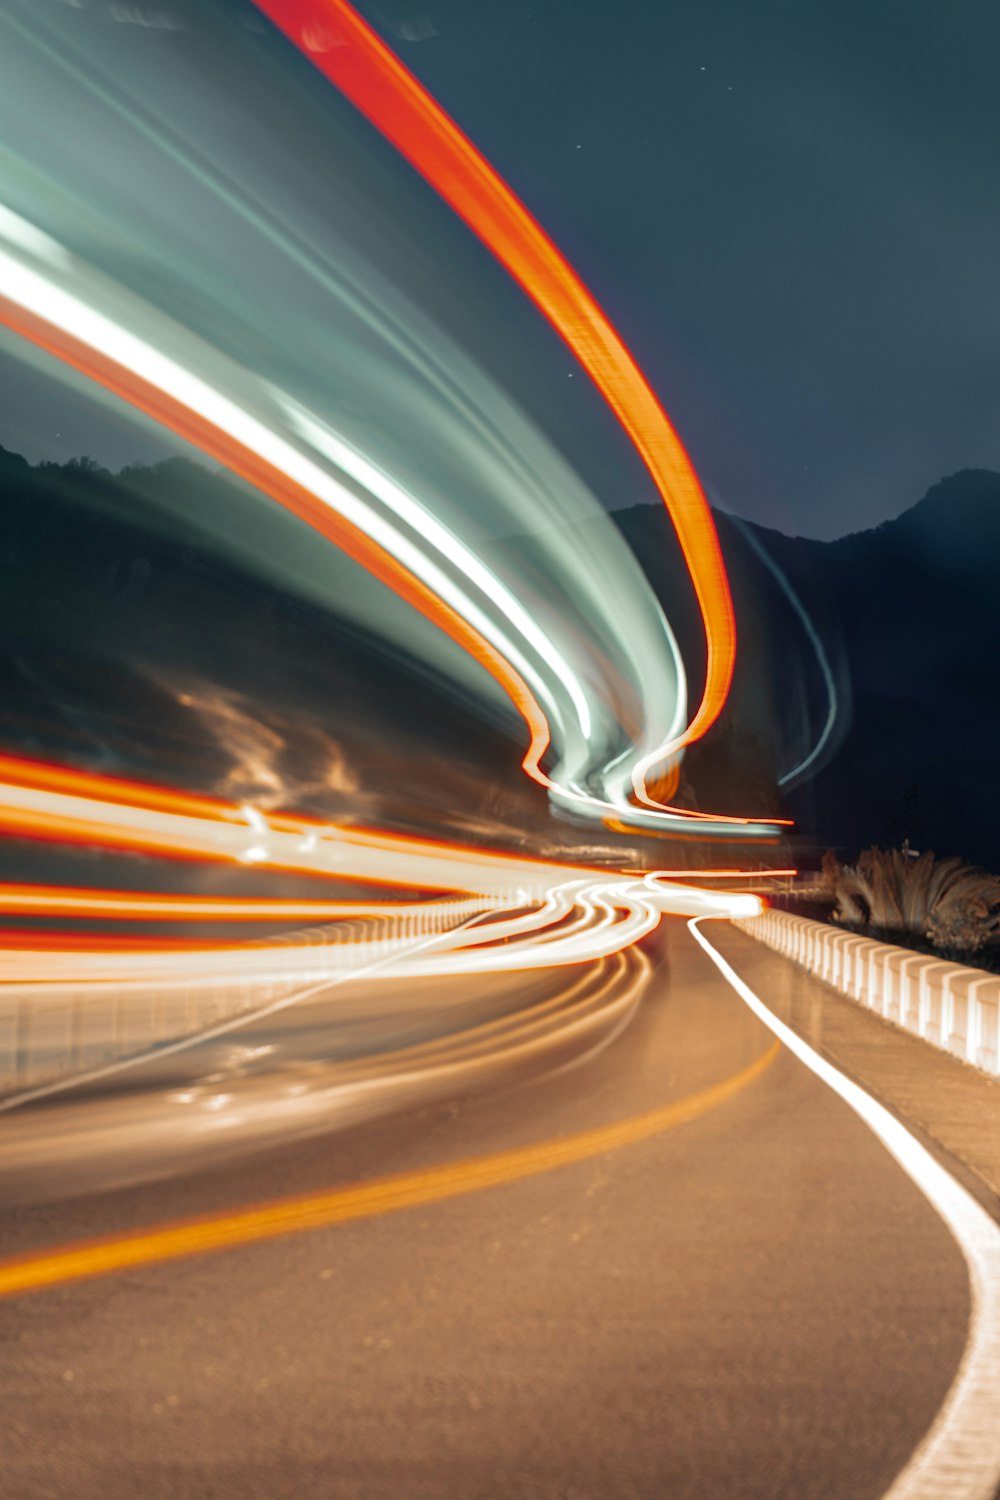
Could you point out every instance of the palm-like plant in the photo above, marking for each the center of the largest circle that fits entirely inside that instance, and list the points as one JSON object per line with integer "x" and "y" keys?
{"x": 950, "y": 903}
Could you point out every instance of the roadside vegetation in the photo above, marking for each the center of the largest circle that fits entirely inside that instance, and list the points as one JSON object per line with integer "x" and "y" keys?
{"x": 944, "y": 906}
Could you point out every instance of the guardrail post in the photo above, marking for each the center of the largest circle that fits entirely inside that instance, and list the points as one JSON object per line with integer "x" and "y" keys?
{"x": 951, "y": 1006}
{"x": 958, "y": 1015}
{"x": 973, "y": 1026}
{"x": 982, "y": 1045}
{"x": 911, "y": 1010}
{"x": 930, "y": 999}
{"x": 989, "y": 1029}
{"x": 854, "y": 965}
{"x": 872, "y": 990}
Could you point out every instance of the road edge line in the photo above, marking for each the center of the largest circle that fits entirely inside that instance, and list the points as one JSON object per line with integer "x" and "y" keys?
{"x": 959, "y": 1456}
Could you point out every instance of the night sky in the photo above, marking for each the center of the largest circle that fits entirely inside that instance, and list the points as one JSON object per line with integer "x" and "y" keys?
{"x": 790, "y": 210}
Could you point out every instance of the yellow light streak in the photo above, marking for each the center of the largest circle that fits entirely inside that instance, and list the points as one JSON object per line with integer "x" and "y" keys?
{"x": 362, "y": 1200}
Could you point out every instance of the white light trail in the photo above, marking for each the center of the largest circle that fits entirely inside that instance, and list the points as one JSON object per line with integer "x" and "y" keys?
{"x": 265, "y": 423}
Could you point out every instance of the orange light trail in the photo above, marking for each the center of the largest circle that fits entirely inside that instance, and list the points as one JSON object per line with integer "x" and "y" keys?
{"x": 39, "y": 800}
{"x": 76, "y": 901}
{"x": 227, "y": 448}
{"x": 47, "y": 776}
{"x": 155, "y": 1244}
{"x": 30, "y": 941}
{"x": 40, "y": 311}
{"x": 43, "y": 801}
{"x": 354, "y": 58}
{"x": 69, "y": 902}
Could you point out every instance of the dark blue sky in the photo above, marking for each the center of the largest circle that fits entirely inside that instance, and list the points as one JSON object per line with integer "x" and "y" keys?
{"x": 789, "y": 206}
{"x": 790, "y": 210}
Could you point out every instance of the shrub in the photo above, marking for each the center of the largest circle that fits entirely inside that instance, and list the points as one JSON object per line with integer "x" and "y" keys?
{"x": 949, "y": 903}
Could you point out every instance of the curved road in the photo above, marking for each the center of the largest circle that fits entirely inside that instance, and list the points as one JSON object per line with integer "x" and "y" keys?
{"x": 750, "y": 1300}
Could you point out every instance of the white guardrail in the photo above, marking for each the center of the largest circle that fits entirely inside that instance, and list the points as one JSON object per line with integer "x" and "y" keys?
{"x": 947, "y": 1004}
{"x": 57, "y": 1030}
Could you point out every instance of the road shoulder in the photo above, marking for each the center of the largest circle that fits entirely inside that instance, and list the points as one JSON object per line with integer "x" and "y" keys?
{"x": 953, "y": 1108}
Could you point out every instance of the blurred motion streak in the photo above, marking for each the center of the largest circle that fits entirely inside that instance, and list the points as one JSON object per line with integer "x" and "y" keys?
{"x": 809, "y": 761}
{"x": 60, "y": 304}
{"x": 344, "y": 48}
{"x": 40, "y": 801}
{"x": 77, "y": 901}
{"x": 163, "y": 390}
{"x": 361, "y": 1200}
{"x": 519, "y": 914}
{"x": 597, "y": 678}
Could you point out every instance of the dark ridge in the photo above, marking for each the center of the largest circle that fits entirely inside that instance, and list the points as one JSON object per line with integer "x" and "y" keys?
{"x": 909, "y": 616}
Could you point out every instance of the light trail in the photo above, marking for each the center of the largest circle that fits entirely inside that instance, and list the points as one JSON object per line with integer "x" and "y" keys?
{"x": 606, "y": 911}
{"x": 163, "y": 1242}
{"x": 80, "y": 901}
{"x": 352, "y": 55}
{"x": 68, "y": 902}
{"x": 789, "y": 778}
{"x": 576, "y": 921}
{"x": 47, "y": 801}
{"x": 35, "y": 306}
{"x": 747, "y": 876}
{"x": 625, "y": 655}
{"x": 546, "y": 914}
{"x": 54, "y": 301}
{"x": 41, "y": 801}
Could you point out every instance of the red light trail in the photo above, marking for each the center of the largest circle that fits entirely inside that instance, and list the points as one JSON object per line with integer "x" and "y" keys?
{"x": 354, "y": 58}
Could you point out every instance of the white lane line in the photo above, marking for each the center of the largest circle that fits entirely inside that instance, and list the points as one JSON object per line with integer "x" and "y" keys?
{"x": 959, "y": 1458}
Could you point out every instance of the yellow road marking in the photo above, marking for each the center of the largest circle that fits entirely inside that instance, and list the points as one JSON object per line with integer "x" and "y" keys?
{"x": 340, "y": 1205}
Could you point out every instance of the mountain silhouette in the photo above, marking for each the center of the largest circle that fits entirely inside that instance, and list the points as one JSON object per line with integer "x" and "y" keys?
{"x": 135, "y": 643}
{"x": 908, "y": 616}
{"x": 117, "y": 606}
{"x": 919, "y": 609}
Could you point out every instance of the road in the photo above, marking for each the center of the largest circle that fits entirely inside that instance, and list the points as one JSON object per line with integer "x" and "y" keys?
{"x": 750, "y": 1301}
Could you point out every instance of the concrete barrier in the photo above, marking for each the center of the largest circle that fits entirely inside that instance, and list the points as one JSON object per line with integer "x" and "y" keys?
{"x": 949, "y": 1005}
{"x": 55, "y": 1031}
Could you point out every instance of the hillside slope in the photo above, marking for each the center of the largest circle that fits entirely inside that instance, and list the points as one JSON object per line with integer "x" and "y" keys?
{"x": 909, "y": 618}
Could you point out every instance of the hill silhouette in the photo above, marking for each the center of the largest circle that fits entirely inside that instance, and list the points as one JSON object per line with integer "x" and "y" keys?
{"x": 919, "y": 609}
{"x": 118, "y": 607}
{"x": 133, "y": 642}
{"x": 908, "y": 614}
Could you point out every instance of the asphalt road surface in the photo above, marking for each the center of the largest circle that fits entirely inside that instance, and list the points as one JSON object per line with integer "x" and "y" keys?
{"x": 751, "y": 1300}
